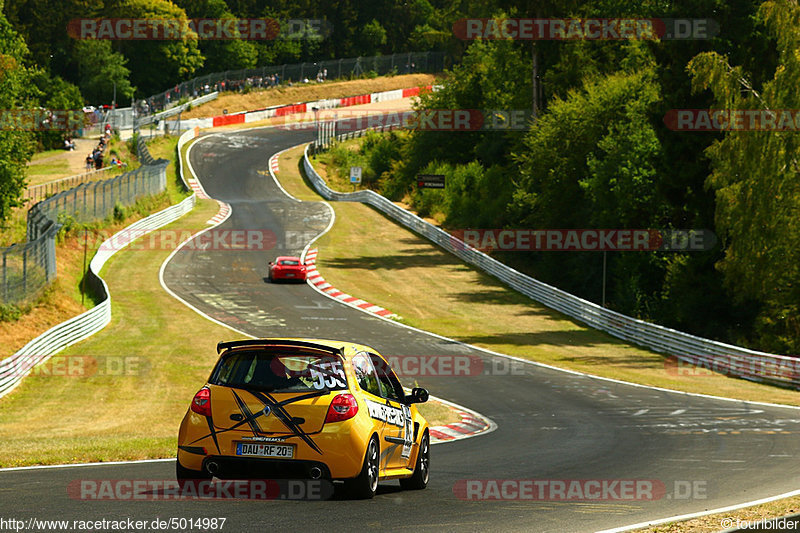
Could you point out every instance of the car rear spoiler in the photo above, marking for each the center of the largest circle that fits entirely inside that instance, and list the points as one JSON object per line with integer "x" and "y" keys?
{"x": 266, "y": 343}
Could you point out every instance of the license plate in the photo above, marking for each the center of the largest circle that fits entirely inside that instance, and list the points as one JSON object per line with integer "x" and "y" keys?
{"x": 290, "y": 275}
{"x": 265, "y": 450}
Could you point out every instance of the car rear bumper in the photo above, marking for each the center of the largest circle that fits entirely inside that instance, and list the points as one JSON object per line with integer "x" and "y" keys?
{"x": 299, "y": 276}
{"x": 227, "y": 467}
{"x": 341, "y": 447}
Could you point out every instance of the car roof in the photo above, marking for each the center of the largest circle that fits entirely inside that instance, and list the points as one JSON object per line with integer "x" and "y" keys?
{"x": 346, "y": 347}
{"x": 291, "y": 257}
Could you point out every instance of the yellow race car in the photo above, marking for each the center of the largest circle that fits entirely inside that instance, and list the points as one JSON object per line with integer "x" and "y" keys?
{"x": 299, "y": 409}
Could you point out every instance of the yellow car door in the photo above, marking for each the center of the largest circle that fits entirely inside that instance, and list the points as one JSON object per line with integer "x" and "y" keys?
{"x": 367, "y": 380}
{"x": 398, "y": 431}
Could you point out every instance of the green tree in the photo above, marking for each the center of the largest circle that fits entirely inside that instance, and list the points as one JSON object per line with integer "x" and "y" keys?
{"x": 16, "y": 145}
{"x": 593, "y": 161}
{"x": 756, "y": 179}
{"x": 372, "y": 38}
{"x": 55, "y": 93}
{"x": 156, "y": 65}
{"x": 220, "y": 55}
{"x": 99, "y": 69}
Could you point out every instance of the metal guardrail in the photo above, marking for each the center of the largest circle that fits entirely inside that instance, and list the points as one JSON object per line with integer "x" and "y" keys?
{"x": 14, "y": 369}
{"x": 724, "y": 358}
{"x": 40, "y": 349}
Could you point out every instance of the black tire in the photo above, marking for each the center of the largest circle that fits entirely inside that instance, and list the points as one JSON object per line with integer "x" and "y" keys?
{"x": 365, "y": 485}
{"x": 419, "y": 479}
{"x": 185, "y": 475}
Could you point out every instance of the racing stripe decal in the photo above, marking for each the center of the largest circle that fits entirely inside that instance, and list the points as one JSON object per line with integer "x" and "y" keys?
{"x": 285, "y": 417}
{"x": 213, "y": 433}
{"x": 276, "y": 407}
{"x": 248, "y": 416}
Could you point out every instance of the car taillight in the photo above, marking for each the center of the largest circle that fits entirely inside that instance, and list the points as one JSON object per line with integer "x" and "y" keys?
{"x": 201, "y": 403}
{"x": 343, "y": 407}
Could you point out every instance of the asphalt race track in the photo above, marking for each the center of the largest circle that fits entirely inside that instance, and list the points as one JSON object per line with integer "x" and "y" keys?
{"x": 552, "y": 425}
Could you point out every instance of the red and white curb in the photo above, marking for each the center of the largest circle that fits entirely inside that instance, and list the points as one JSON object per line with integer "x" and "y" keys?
{"x": 273, "y": 163}
{"x": 198, "y": 189}
{"x": 224, "y": 209}
{"x": 315, "y": 278}
{"x": 255, "y": 115}
{"x": 471, "y": 424}
{"x": 222, "y": 215}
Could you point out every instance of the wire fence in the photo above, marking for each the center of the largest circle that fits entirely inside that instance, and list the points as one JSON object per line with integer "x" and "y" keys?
{"x": 37, "y": 193}
{"x": 262, "y": 77}
{"x": 26, "y": 268}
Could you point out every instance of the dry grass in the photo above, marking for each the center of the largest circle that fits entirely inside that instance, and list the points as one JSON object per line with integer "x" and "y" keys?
{"x": 62, "y": 300}
{"x": 367, "y": 255}
{"x": 235, "y": 102}
{"x": 438, "y": 414}
{"x": 718, "y": 522}
{"x": 55, "y": 164}
{"x": 370, "y": 256}
{"x": 168, "y": 350}
{"x": 122, "y": 416}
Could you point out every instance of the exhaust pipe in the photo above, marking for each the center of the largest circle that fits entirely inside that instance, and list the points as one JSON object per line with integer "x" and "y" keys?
{"x": 315, "y": 472}
{"x": 212, "y": 467}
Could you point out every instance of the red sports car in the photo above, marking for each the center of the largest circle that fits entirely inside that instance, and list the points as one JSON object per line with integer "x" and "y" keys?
{"x": 287, "y": 267}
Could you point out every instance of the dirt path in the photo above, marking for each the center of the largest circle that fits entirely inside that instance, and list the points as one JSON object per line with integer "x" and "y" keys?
{"x": 61, "y": 165}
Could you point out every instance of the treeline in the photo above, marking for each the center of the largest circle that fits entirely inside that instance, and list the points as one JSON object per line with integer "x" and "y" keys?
{"x": 146, "y": 67}
{"x": 601, "y": 156}
{"x": 43, "y": 65}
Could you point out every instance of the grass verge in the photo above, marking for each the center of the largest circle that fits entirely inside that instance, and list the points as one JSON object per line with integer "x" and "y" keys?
{"x": 368, "y": 255}
{"x": 131, "y": 382}
{"x": 163, "y": 352}
{"x": 718, "y": 522}
{"x": 63, "y": 299}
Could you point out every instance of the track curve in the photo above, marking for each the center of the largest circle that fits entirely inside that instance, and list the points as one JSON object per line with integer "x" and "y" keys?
{"x": 552, "y": 425}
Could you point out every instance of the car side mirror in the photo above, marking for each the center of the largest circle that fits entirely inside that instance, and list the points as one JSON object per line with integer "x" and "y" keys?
{"x": 418, "y": 395}
{"x": 270, "y": 263}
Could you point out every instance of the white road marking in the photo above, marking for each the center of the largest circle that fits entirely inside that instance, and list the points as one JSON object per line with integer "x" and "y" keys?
{"x": 679, "y": 518}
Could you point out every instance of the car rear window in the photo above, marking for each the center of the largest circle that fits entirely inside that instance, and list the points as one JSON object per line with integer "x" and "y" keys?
{"x": 281, "y": 372}
{"x": 289, "y": 262}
